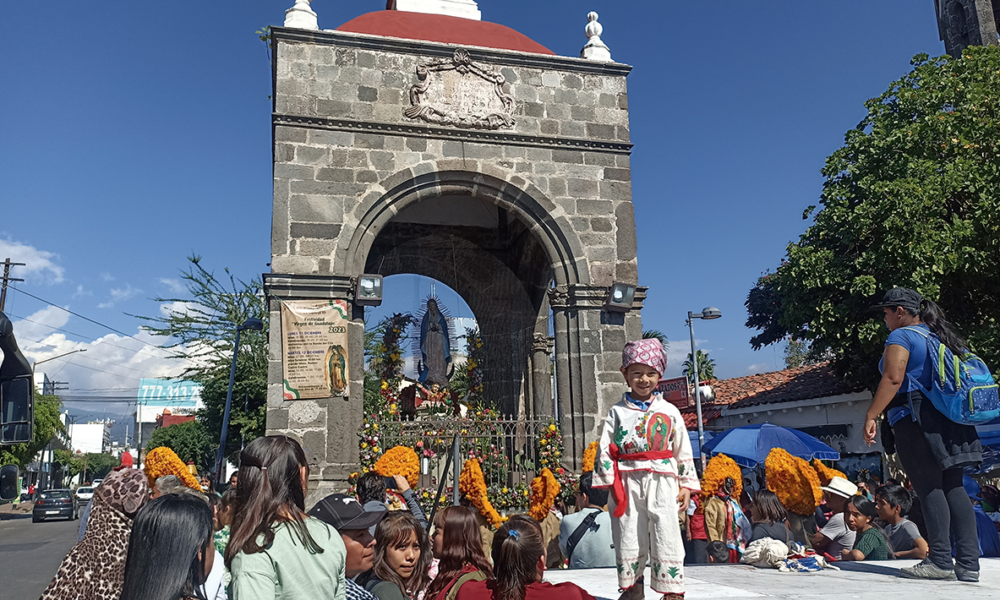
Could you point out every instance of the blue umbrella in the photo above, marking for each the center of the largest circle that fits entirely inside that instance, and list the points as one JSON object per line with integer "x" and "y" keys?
{"x": 693, "y": 436}
{"x": 749, "y": 445}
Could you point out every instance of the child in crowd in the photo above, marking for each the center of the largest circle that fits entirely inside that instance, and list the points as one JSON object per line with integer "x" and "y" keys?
{"x": 402, "y": 557}
{"x": 870, "y": 543}
{"x": 223, "y": 518}
{"x": 892, "y": 502}
{"x": 768, "y": 516}
{"x": 276, "y": 551}
{"x": 518, "y": 565}
{"x": 718, "y": 552}
{"x": 170, "y": 550}
{"x": 645, "y": 457}
{"x": 458, "y": 548}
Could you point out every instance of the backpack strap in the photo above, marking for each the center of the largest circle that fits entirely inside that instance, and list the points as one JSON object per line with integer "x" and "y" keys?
{"x": 453, "y": 589}
{"x": 578, "y": 533}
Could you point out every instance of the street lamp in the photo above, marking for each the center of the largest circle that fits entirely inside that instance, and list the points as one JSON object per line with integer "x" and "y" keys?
{"x": 38, "y": 362}
{"x": 706, "y": 314}
{"x": 256, "y": 325}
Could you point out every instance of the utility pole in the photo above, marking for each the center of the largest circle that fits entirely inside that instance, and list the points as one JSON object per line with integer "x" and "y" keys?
{"x": 7, "y": 278}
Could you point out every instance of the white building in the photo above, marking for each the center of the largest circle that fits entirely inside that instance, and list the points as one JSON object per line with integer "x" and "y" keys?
{"x": 91, "y": 438}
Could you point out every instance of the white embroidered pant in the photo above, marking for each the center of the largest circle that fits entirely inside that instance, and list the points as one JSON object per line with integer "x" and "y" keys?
{"x": 649, "y": 527}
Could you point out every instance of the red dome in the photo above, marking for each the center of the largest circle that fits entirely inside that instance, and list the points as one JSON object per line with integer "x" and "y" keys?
{"x": 443, "y": 29}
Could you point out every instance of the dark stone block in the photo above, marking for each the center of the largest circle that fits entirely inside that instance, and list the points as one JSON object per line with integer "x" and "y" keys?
{"x": 622, "y": 133}
{"x": 335, "y": 175}
{"x": 369, "y": 140}
{"x": 626, "y": 231}
{"x": 333, "y": 108}
{"x": 549, "y": 127}
{"x": 601, "y": 225}
{"x": 593, "y": 207}
{"x": 573, "y": 82}
{"x": 567, "y": 156}
{"x": 617, "y": 174}
{"x": 600, "y": 132}
{"x": 289, "y": 134}
{"x": 583, "y": 188}
{"x": 382, "y": 161}
{"x": 616, "y": 190}
{"x": 583, "y": 113}
{"x": 416, "y": 144}
{"x": 366, "y": 60}
{"x": 599, "y": 159}
{"x": 454, "y": 149}
{"x": 366, "y": 177}
{"x": 623, "y": 101}
{"x": 567, "y": 96}
{"x": 533, "y": 109}
{"x": 509, "y": 74}
{"x": 288, "y": 171}
{"x": 316, "y": 230}
{"x": 367, "y": 94}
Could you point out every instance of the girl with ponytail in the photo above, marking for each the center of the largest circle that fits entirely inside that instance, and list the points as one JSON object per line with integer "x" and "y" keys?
{"x": 276, "y": 551}
{"x": 518, "y": 567}
{"x": 932, "y": 448}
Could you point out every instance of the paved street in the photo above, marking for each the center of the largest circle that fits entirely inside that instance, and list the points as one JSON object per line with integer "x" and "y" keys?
{"x": 856, "y": 581}
{"x": 30, "y": 553}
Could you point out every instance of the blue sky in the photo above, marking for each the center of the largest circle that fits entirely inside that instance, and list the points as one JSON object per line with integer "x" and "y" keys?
{"x": 137, "y": 133}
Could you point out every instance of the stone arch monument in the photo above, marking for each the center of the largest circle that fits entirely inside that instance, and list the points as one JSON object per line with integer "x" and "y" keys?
{"x": 461, "y": 150}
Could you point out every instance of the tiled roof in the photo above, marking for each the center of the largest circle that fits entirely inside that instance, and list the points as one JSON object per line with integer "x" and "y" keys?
{"x": 790, "y": 385}
{"x": 707, "y": 414}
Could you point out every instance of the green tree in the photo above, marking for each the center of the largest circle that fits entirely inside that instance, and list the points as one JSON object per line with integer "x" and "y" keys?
{"x": 202, "y": 330}
{"x": 796, "y": 354}
{"x": 706, "y": 367}
{"x": 97, "y": 466}
{"x": 189, "y": 440}
{"x": 912, "y": 199}
{"x": 47, "y": 425}
{"x": 69, "y": 463}
{"x": 657, "y": 334}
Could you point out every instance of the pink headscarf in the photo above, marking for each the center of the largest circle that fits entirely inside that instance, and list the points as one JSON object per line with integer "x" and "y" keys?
{"x": 647, "y": 352}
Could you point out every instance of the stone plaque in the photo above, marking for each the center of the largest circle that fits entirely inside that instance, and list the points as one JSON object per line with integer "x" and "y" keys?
{"x": 314, "y": 348}
{"x": 461, "y": 93}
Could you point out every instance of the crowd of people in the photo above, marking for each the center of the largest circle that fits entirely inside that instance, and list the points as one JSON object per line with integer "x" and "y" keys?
{"x": 176, "y": 538}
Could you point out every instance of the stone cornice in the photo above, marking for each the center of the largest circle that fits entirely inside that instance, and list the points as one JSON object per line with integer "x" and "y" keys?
{"x": 589, "y": 297}
{"x": 435, "y": 49}
{"x": 469, "y": 135}
{"x": 288, "y": 286}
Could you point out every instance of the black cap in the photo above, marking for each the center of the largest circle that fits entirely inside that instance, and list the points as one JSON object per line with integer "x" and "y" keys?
{"x": 346, "y": 513}
{"x": 905, "y": 297}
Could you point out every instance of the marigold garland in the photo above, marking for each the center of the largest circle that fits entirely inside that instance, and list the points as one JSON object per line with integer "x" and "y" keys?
{"x": 544, "y": 490}
{"x": 472, "y": 484}
{"x": 794, "y": 481}
{"x": 824, "y": 472}
{"x": 719, "y": 468}
{"x": 589, "y": 457}
{"x": 400, "y": 460}
{"x": 164, "y": 461}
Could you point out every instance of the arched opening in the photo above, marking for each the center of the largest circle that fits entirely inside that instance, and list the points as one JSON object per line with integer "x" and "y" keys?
{"x": 478, "y": 237}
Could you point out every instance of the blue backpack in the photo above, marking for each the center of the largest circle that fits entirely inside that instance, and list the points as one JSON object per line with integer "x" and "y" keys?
{"x": 962, "y": 388}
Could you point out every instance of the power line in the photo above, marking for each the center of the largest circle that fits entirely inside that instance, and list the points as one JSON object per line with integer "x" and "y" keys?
{"x": 80, "y": 335}
{"x": 108, "y": 327}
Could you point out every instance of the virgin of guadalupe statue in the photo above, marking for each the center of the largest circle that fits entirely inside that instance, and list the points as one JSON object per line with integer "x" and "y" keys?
{"x": 435, "y": 347}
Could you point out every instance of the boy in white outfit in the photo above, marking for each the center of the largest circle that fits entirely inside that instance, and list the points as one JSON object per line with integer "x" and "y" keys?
{"x": 645, "y": 458}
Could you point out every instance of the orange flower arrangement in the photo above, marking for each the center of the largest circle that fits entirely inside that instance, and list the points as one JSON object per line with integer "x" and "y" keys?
{"x": 544, "y": 490}
{"x": 472, "y": 484}
{"x": 400, "y": 460}
{"x": 794, "y": 481}
{"x": 824, "y": 472}
{"x": 589, "y": 457}
{"x": 720, "y": 467}
{"x": 164, "y": 461}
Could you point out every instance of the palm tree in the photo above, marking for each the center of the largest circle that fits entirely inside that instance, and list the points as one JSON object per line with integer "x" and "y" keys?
{"x": 657, "y": 334}
{"x": 706, "y": 367}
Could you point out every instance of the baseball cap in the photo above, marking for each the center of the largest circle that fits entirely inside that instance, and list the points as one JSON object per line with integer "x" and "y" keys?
{"x": 971, "y": 487}
{"x": 345, "y": 512}
{"x": 841, "y": 487}
{"x": 900, "y": 296}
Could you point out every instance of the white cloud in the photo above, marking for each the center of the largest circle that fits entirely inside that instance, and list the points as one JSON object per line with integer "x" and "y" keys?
{"x": 37, "y": 263}
{"x": 80, "y": 292}
{"x": 175, "y": 285}
{"x": 179, "y": 308}
{"x": 677, "y": 353}
{"x": 120, "y": 295}
{"x": 105, "y": 276}
{"x": 757, "y": 368}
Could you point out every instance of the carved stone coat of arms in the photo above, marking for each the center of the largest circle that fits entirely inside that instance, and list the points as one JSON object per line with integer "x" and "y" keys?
{"x": 458, "y": 92}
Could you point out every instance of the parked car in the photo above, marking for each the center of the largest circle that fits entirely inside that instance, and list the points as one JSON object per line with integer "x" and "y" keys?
{"x": 97, "y": 482}
{"x": 55, "y": 504}
{"x": 84, "y": 494}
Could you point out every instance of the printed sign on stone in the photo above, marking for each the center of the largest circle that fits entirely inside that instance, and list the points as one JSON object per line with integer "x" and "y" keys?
{"x": 314, "y": 347}
{"x": 461, "y": 93}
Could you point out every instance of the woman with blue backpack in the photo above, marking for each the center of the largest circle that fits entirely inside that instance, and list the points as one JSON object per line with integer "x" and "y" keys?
{"x": 933, "y": 448}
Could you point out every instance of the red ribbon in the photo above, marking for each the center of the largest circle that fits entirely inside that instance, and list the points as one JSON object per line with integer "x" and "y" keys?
{"x": 618, "y": 489}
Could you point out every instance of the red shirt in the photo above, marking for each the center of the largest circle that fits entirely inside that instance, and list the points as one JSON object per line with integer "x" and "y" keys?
{"x": 485, "y": 590}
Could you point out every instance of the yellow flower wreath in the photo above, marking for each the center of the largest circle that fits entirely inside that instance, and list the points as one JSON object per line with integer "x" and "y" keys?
{"x": 824, "y": 472}
{"x": 544, "y": 491}
{"x": 400, "y": 460}
{"x": 164, "y": 461}
{"x": 589, "y": 457}
{"x": 794, "y": 481}
{"x": 720, "y": 467}
{"x": 472, "y": 484}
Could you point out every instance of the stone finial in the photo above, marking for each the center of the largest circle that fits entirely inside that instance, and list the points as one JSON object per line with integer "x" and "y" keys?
{"x": 301, "y": 16}
{"x": 595, "y": 48}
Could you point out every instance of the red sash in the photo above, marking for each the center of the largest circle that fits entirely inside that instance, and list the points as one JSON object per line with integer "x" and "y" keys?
{"x": 618, "y": 489}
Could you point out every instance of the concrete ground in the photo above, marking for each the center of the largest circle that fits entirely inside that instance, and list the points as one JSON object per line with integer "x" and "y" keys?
{"x": 877, "y": 580}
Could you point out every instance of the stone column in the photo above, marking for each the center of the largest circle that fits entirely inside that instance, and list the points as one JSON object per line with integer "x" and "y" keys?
{"x": 541, "y": 376}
